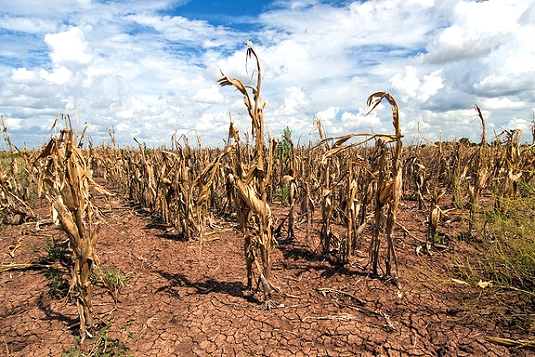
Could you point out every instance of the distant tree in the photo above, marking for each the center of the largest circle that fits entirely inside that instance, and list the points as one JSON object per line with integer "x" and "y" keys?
{"x": 465, "y": 141}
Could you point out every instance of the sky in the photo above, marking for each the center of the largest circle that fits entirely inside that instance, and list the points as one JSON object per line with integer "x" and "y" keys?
{"x": 149, "y": 69}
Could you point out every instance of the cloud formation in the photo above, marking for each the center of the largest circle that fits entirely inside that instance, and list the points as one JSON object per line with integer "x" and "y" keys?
{"x": 147, "y": 70}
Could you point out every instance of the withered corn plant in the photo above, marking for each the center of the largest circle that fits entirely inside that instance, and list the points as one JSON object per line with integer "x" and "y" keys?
{"x": 438, "y": 178}
{"x": 508, "y": 169}
{"x": 389, "y": 187}
{"x": 63, "y": 168}
{"x": 356, "y": 206}
{"x": 435, "y": 215}
{"x": 307, "y": 208}
{"x": 352, "y": 184}
{"x": 14, "y": 196}
{"x": 482, "y": 163}
{"x": 180, "y": 186}
{"x": 285, "y": 176}
{"x": 331, "y": 180}
{"x": 250, "y": 182}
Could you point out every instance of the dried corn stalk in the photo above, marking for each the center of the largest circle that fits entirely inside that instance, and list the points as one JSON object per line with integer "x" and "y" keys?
{"x": 482, "y": 172}
{"x": 250, "y": 182}
{"x": 14, "y": 208}
{"x": 507, "y": 170}
{"x": 389, "y": 186}
{"x": 63, "y": 168}
{"x": 435, "y": 215}
{"x": 385, "y": 185}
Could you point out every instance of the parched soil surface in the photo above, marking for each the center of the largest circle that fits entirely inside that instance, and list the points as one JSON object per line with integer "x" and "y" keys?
{"x": 188, "y": 299}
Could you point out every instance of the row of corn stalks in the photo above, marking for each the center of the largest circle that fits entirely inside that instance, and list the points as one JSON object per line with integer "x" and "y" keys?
{"x": 356, "y": 181}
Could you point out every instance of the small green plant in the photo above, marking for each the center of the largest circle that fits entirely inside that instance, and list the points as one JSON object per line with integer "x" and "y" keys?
{"x": 102, "y": 345}
{"x": 57, "y": 283}
{"x": 439, "y": 238}
{"x": 283, "y": 191}
{"x": 115, "y": 278}
{"x": 284, "y": 146}
{"x": 56, "y": 252}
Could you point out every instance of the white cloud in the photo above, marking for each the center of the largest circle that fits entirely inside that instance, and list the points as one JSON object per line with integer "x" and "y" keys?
{"x": 177, "y": 28}
{"x": 38, "y": 7}
{"x": 60, "y": 75}
{"x": 328, "y": 114}
{"x": 69, "y": 46}
{"x": 23, "y": 24}
{"x": 210, "y": 95}
{"x": 520, "y": 123}
{"x": 14, "y": 124}
{"x": 23, "y": 75}
{"x": 147, "y": 73}
{"x": 295, "y": 101}
{"x": 413, "y": 89}
{"x": 515, "y": 74}
{"x": 501, "y": 103}
{"x": 477, "y": 28}
{"x": 359, "y": 121}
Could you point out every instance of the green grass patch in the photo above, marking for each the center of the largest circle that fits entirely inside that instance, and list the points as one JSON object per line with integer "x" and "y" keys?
{"x": 508, "y": 248}
{"x": 115, "y": 278}
{"x": 103, "y": 344}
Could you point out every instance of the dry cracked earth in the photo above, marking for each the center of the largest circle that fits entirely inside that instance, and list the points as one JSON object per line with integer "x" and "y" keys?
{"x": 187, "y": 299}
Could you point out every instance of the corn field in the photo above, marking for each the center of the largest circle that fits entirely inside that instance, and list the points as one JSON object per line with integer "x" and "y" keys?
{"x": 351, "y": 185}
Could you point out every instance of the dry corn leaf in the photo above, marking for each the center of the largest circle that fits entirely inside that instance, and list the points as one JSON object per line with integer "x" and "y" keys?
{"x": 509, "y": 342}
{"x": 484, "y": 284}
{"x": 12, "y": 248}
{"x": 249, "y": 196}
{"x": 287, "y": 178}
{"x": 459, "y": 281}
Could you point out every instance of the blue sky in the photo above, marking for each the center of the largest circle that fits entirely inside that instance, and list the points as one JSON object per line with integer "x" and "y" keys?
{"x": 148, "y": 69}
{"x": 237, "y": 14}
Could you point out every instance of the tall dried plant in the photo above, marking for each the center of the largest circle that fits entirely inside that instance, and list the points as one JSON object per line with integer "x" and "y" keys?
{"x": 63, "y": 167}
{"x": 481, "y": 174}
{"x": 389, "y": 186}
{"x": 14, "y": 196}
{"x": 250, "y": 183}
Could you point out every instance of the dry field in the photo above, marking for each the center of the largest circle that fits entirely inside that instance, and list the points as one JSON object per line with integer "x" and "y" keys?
{"x": 184, "y": 299}
{"x": 357, "y": 245}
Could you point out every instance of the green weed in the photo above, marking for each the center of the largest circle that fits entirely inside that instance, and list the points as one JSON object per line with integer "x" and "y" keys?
{"x": 103, "y": 345}
{"x": 57, "y": 283}
{"x": 283, "y": 192}
{"x": 56, "y": 252}
{"x": 114, "y": 277}
{"x": 509, "y": 253}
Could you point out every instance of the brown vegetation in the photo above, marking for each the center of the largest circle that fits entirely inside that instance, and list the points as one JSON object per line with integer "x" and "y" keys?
{"x": 462, "y": 196}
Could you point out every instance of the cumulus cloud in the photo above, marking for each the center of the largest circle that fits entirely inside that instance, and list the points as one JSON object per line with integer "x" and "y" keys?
{"x": 294, "y": 102}
{"x": 208, "y": 95}
{"x": 412, "y": 89}
{"x": 23, "y": 75}
{"x": 520, "y": 123}
{"x": 501, "y": 103}
{"x": 476, "y": 28}
{"x": 60, "y": 75}
{"x": 148, "y": 72}
{"x": 353, "y": 122}
{"x": 68, "y": 47}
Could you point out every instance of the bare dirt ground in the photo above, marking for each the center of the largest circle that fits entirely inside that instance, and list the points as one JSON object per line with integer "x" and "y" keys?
{"x": 184, "y": 299}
